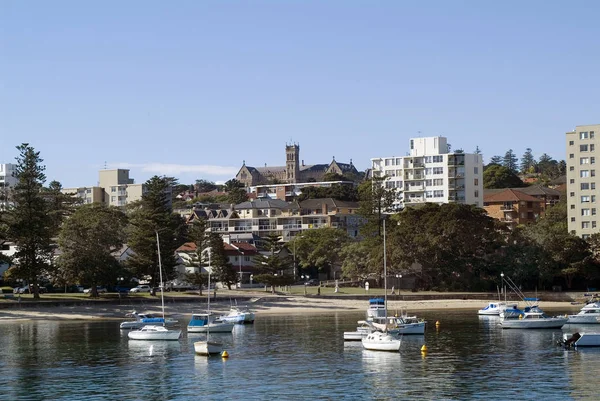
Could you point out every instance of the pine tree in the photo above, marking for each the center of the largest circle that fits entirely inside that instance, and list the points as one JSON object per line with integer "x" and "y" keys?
{"x": 510, "y": 161}
{"x": 220, "y": 267}
{"x": 496, "y": 160}
{"x": 527, "y": 161}
{"x": 29, "y": 221}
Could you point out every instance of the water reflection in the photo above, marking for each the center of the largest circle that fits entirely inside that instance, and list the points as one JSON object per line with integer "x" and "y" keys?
{"x": 152, "y": 348}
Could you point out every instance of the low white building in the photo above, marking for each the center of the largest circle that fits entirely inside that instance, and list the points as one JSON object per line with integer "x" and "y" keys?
{"x": 431, "y": 173}
{"x": 7, "y": 181}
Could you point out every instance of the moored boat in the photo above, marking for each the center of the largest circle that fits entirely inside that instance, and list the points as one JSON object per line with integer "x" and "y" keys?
{"x": 208, "y": 322}
{"x": 154, "y": 333}
{"x": 239, "y": 315}
{"x": 535, "y": 319}
{"x": 496, "y": 308}
{"x": 580, "y": 340}
{"x": 381, "y": 341}
{"x": 145, "y": 319}
{"x": 589, "y": 314}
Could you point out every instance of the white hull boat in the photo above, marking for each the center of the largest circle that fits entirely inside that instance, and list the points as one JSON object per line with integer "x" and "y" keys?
{"x": 496, "y": 308}
{"x": 159, "y": 333}
{"x": 581, "y": 340}
{"x": 589, "y": 314}
{"x": 361, "y": 332}
{"x": 534, "y": 320}
{"x": 208, "y": 347}
{"x": 238, "y": 315}
{"x": 380, "y": 341}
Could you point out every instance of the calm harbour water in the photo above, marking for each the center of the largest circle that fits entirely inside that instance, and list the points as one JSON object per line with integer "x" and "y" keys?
{"x": 292, "y": 358}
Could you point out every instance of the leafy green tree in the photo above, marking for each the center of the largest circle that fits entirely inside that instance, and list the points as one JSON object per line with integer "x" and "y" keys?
{"x": 336, "y": 191}
{"x": 197, "y": 234}
{"x": 87, "y": 241}
{"x": 357, "y": 260}
{"x": 220, "y": 266}
{"x": 270, "y": 264}
{"x": 61, "y": 205}
{"x": 510, "y": 161}
{"x": 321, "y": 248}
{"x": 527, "y": 161}
{"x": 374, "y": 201}
{"x": 500, "y": 177}
{"x": 29, "y": 222}
{"x": 450, "y": 243}
{"x": 205, "y": 186}
{"x": 236, "y": 193}
{"x": 146, "y": 217}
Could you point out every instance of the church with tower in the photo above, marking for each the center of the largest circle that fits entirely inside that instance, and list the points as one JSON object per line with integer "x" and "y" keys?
{"x": 294, "y": 171}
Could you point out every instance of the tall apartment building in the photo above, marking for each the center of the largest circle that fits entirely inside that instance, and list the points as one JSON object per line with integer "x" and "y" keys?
{"x": 115, "y": 188}
{"x": 582, "y": 182}
{"x": 7, "y": 181}
{"x": 430, "y": 173}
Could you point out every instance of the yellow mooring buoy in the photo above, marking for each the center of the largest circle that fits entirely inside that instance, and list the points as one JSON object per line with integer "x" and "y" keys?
{"x": 424, "y": 348}
{"x": 437, "y": 323}
{"x": 225, "y": 354}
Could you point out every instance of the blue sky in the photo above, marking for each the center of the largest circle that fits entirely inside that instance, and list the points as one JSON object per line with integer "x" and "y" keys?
{"x": 190, "y": 89}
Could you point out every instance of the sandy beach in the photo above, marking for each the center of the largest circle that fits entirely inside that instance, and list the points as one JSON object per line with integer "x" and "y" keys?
{"x": 262, "y": 304}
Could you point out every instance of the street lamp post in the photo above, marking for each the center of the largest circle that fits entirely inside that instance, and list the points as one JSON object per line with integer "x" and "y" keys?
{"x": 399, "y": 277}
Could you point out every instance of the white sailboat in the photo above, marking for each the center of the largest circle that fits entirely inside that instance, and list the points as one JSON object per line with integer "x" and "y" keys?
{"x": 151, "y": 332}
{"x": 208, "y": 347}
{"x": 382, "y": 340}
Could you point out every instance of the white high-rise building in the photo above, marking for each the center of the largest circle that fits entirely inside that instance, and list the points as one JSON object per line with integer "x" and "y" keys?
{"x": 582, "y": 182}
{"x": 7, "y": 181}
{"x": 430, "y": 173}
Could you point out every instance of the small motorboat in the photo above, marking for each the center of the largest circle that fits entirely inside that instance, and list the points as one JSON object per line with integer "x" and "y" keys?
{"x": 154, "y": 333}
{"x": 145, "y": 319}
{"x": 204, "y": 322}
{"x": 496, "y": 308}
{"x": 361, "y": 331}
{"x": 239, "y": 315}
{"x": 580, "y": 340}
{"x": 589, "y": 314}
{"x": 208, "y": 347}
{"x": 534, "y": 319}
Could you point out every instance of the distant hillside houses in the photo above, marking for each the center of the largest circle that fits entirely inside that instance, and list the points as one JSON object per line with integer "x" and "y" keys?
{"x": 248, "y": 221}
{"x": 294, "y": 170}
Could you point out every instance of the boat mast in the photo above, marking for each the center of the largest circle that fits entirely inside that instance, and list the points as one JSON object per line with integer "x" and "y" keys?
{"x": 384, "y": 276}
{"x": 162, "y": 298}
{"x": 208, "y": 292}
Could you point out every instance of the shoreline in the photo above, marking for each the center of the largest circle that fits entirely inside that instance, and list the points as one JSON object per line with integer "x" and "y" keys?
{"x": 265, "y": 305}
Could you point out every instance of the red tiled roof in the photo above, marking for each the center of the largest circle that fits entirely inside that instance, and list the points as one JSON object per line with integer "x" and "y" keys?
{"x": 187, "y": 247}
{"x": 510, "y": 195}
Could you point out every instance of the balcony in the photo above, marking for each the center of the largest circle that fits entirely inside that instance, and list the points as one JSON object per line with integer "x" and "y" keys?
{"x": 415, "y": 200}
{"x": 456, "y": 199}
{"x": 415, "y": 188}
{"x": 507, "y": 208}
{"x": 414, "y": 177}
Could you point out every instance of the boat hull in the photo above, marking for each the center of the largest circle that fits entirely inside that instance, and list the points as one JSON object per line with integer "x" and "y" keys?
{"x": 409, "y": 328}
{"x": 550, "y": 323}
{"x": 378, "y": 341}
{"x": 584, "y": 319}
{"x": 166, "y": 335}
{"x": 588, "y": 340}
{"x": 495, "y": 309}
{"x": 208, "y": 347}
{"x": 133, "y": 325}
{"x": 225, "y": 327}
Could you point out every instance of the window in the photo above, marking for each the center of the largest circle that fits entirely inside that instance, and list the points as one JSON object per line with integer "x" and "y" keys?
{"x": 593, "y": 185}
{"x": 583, "y": 148}
{"x": 438, "y": 194}
{"x": 571, "y": 168}
{"x": 585, "y": 199}
{"x": 585, "y": 224}
{"x": 571, "y": 181}
{"x": 585, "y": 212}
{"x": 593, "y": 211}
{"x": 113, "y": 189}
{"x": 592, "y": 173}
{"x": 429, "y": 194}
{"x": 571, "y": 143}
{"x": 593, "y": 198}
{"x": 438, "y": 159}
{"x": 584, "y": 160}
{"x": 593, "y": 224}
{"x": 388, "y": 162}
{"x": 584, "y": 236}
{"x": 438, "y": 170}
{"x": 583, "y": 173}
{"x": 591, "y": 134}
{"x": 584, "y": 186}
{"x": 571, "y": 193}
{"x": 427, "y": 171}
{"x": 592, "y": 148}
{"x": 438, "y": 181}
{"x": 113, "y": 198}
{"x": 412, "y": 144}
{"x": 476, "y": 181}
{"x": 477, "y": 194}
{"x": 572, "y": 206}
{"x": 583, "y": 135}
{"x": 571, "y": 156}
{"x": 476, "y": 170}
{"x": 572, "y": 219}
{"x": 592, "y": 160}
{"x": 427, "y": 183}
{"x": 427, "y": 159}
